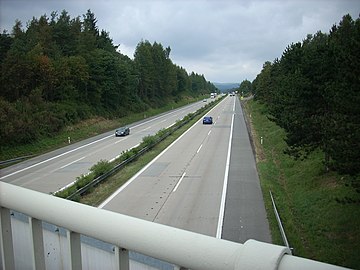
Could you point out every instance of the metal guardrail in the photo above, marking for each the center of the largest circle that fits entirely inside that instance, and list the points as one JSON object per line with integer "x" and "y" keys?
{"x": 182, "y": 248}
{"x": 281, "y": 228}
{"x": 13, "y": 160}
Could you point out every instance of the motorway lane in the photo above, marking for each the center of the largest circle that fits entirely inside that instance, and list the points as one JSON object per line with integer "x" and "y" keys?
{"x": 196, "y": 203}
{"x": 183, "y": 186}
{"x": 52, "y": 171}
{"x": 245, "y": 216}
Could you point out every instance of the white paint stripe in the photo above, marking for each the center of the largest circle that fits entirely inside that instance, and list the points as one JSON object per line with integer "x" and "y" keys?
{"x": 226, "y": 177}
{"x": 147, "y": 128}
{"x": 197, "y": 152}
{"x": 209, "y": 132}
{"x": 136, "y": 145}
{"x": 178, "y": 184}
{"x": 123, "y": 139}
{"x": 70, "y": 184}
{"x": 62, "y": 167}
{"x": 170, "y": 125}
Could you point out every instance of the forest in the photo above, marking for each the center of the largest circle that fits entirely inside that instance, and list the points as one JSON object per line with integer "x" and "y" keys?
{"x": 62, "y": 70}
{"x": 313, "y": 92}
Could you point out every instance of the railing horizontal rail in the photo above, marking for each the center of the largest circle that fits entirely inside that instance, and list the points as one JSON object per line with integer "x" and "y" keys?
{"x": 183, "y": 248}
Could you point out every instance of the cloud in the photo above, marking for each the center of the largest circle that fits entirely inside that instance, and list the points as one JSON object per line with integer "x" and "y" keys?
{"x": 226, "y": 40}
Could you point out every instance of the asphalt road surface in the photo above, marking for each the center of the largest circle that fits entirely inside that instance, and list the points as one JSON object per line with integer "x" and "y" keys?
{"x": 245, "y": 215}
{"x": 205, "y": 182}
{"x": 52, "y": 171}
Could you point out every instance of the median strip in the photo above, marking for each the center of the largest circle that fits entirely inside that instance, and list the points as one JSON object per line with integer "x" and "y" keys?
{"x": 84, "y": 184}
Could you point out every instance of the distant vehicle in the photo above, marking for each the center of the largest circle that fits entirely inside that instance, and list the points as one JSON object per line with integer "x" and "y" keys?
{"x": 123, "y": 131}
{"x": 207, "y": 120}
{"x": 204, "y": 100}
{"x": 213, "y": 95}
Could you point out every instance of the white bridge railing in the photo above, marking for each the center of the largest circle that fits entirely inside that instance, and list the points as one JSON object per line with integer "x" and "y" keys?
{"x": 181, "y": 248}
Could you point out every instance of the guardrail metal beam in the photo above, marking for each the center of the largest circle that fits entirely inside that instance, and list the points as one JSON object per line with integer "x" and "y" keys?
{"x": 281, "y": 228}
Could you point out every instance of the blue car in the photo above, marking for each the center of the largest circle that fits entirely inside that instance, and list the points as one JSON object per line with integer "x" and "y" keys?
{"x": 207, "y": 120}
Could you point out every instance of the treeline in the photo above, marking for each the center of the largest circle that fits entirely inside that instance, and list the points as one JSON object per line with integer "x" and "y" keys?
{"x": 62, "y": 70}
{"x": 313, "y": 92}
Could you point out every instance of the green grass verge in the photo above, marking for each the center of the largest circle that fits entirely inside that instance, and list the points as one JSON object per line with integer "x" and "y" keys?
{"x": 319, "y": 210}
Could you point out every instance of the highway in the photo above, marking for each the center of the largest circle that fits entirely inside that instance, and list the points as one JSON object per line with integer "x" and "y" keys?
{"x": 52, "y": 171}
{"x": 186, "y": 186}
{"x": 206, "y": 181}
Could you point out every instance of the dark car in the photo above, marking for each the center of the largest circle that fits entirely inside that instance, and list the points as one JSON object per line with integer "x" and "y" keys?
{"x": 122, "y": 131}
{"x": 207, "y": 120}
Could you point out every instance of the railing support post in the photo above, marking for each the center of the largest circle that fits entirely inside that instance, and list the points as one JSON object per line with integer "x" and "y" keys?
{"x": 7, "y": 249}
{"x": 74, "y": 243}
{"x": 122, "y": 258}
{"x": 37, "y": 243}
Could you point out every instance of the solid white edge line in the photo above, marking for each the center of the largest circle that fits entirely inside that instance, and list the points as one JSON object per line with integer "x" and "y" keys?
{"x": 111, "y": 160}
{"x": 178, "y": 184}
{"x": 226, "y": 176}
{"x": 112, "y": 196}
{"x": 69, "y": 185}
{"x": 170, "y": 125}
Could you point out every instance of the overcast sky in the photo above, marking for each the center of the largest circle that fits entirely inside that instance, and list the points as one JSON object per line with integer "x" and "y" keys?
{"x": 226, "y": 40}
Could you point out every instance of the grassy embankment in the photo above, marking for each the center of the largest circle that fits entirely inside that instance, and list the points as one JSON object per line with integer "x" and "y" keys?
{"x": 319, "y": 210}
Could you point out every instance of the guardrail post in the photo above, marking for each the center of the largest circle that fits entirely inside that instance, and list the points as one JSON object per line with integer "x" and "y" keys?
{"x": 122, "y": 258}
{"x": 7, "y": 249}
{"x": 37, "y": 243}
{"x": 74, "y": 243}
